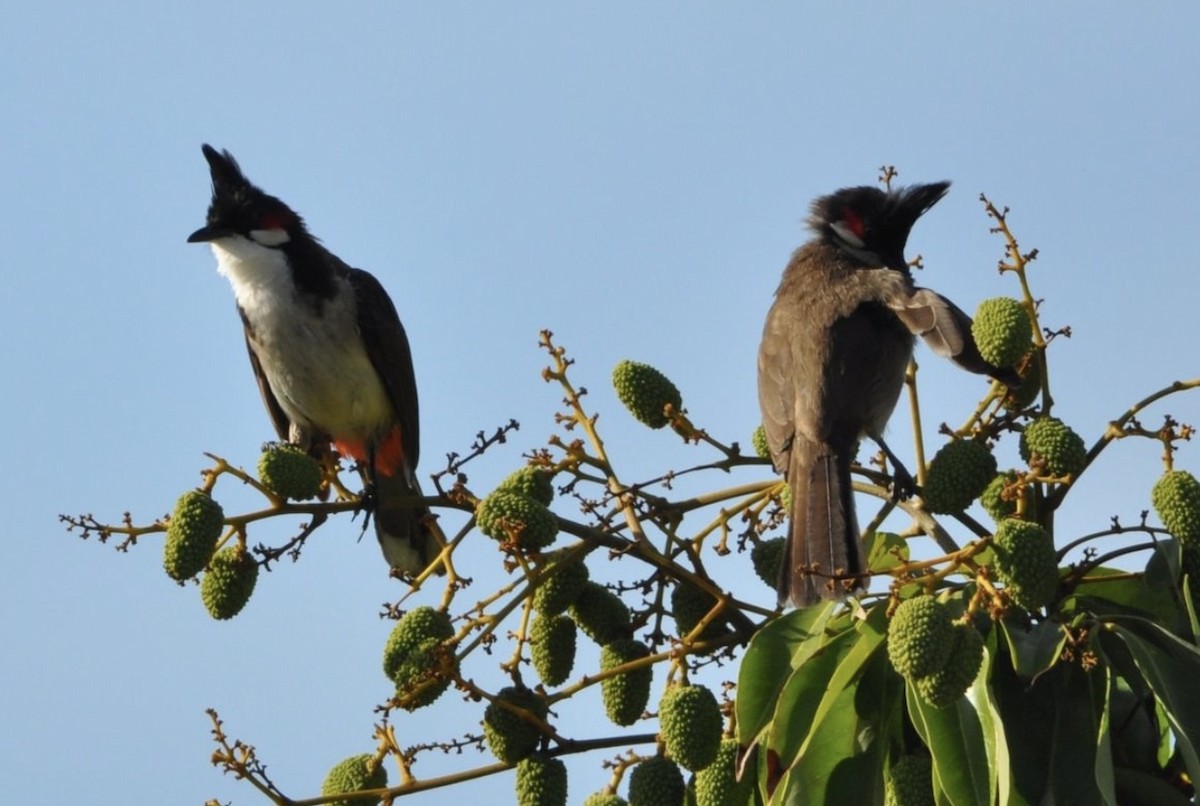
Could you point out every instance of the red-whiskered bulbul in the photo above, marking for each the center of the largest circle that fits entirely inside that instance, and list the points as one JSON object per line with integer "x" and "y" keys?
{"x": 326, "y": 344}
{"x": 832, "y": 362}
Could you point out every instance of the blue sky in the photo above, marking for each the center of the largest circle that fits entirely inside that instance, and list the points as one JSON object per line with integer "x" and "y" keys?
{"x": 633, "y": 178}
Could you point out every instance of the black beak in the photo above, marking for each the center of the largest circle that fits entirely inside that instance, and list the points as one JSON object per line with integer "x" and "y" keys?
{"x": 206, "y": 234}
{"x": 911, "y": 203}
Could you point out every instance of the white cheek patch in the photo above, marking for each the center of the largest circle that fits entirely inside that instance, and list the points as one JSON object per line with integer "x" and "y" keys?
{"x": 843, "y": 231}
{"x": 270, "y": 237}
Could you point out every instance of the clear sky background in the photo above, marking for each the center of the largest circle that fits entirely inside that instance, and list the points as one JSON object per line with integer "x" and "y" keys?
{"x": 633, "y": 177}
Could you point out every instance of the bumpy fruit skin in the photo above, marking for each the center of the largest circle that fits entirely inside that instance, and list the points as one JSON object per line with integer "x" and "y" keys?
{"x": 552, "y": 648}
{"x": 991, "y": 500}
{"x": 767, "y": 557}
{"x": 918, "y": 640}
{"x": 351, "y": 775}
{"x": 1002, "y": 331}
{"x": 958, "y": 473}
{"x": 600, "y": 613}
{"x": 502, "y": 511}
{"x": 716, "y": 784}
{"x": 289, "y": 472}
{"x": 656, "y": 782}
{"x": 509, "y": 737}
{"x": 229, "y": 582}
{"x": 759, "y": 440}
{"x": 192, "y": 535}
{"x": 910, "y": 782}
{"x": 946, "y": 685}
{"x": 560, "y": 590}
{"x": 604, "y": 799}
{"x": 418, "y": 678}
{"x": 417, "y": 626}
{"x": 689, "y": 605}
{"x": 531, "y": 482}
{"x": 1026, "y": 563}
{"x": 645, "y": 392}
{"x": 541, "y": 781}
{"x": 689, "y": 721}
{"x": 411, "y": 656}
{"x": 1060, "y": 448}
{"x": 625, "y": 695}
{"x": 1176, "y": 499}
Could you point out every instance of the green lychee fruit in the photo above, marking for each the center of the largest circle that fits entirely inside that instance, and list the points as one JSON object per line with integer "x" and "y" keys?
{"x": 1026, "y": 563}
{"x": 918, "y": 640}
{"x": 625, "y": 695}
{"x": 505, "y": 515}
{"x": 645, "y": 392}
{"x": 1060, "y": 449}
{"x": 192, "y": 535}
{"x": 229, "y": 582}
{"x": 552, "y": 647}
{"x": 508, "y": 736}
{"x": 958, "y": 474}
{"x": 1002, "y": 331}
{"x": 541, "y": 781}
{"x": 690, "y": 723}
{"x": 355, "y": 774}
{"x": 289, "y": 472}
{"x": 656, "y": 782}
{"x": 1176, "y": 499}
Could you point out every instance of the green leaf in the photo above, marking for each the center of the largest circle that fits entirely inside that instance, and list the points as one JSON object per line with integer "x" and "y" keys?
{"x": 774, "y": 652}
{"x": 955, "y": 736}
{"x": 840, "y": 759}
{"x": 1035, "y": 649}
{"x": 991, "y": 722}
{"x": 1130, "y": 595}
{"x": 1077, "y": 770}
{"x": 1171, "y": 668}
{"x": 1028, "y": 710}
{"x": 797, "y": 706}
{"x": 885, "y": 551}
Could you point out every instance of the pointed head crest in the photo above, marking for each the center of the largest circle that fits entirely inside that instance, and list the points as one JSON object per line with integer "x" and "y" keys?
{"x": 871, "y": 224}
{"x": 239, "y": 207}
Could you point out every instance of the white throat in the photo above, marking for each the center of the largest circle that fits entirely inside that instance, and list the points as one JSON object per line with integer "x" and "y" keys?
{"x": 260, "y": 276}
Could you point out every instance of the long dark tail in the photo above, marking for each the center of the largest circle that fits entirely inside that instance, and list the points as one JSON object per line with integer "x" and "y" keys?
{"x": 822, "y": 541}
{"x": 403, "y": 524}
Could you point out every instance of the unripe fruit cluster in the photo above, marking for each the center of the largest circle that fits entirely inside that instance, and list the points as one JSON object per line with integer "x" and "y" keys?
{"x": 1002, "y": 331}
{"x": 939, "y": 657}
{"x": 1051, "y": 441}
{"x": 192, "y": 535}
{"x": 645, "y": 392}
{"x": 1176, "y": 499}
{"x": 690, "y": 722}
{"x": 229, "y": 582}
{"x": 1026, "y": 563}
{"x": 354, "y": 774}
{"x": 958, "y": 474}
{"x": 412, "y": 657}
{"x": 289, "y": 472}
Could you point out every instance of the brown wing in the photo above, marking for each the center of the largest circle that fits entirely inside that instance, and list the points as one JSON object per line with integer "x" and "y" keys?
{"x": 777, "y": 386}
{"x": 387, "y": 347}
{"x": 947, "y": 330}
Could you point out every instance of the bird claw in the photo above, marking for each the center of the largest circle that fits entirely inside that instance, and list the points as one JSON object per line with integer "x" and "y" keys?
{"x": 903, "y": 485}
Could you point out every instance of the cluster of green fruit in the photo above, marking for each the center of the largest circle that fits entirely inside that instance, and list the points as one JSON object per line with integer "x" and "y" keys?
{"x": 518, "y": 511}
{"x": 935, "y": 654}
{"x": 646, "y": 392}
{"x": 197, "y": 521}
